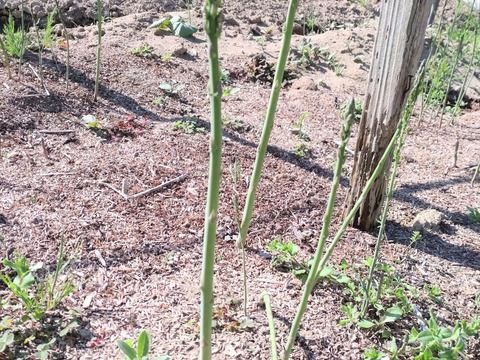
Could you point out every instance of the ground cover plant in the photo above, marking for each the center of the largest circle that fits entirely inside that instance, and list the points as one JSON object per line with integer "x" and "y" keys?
{"x": 68, "y": 162}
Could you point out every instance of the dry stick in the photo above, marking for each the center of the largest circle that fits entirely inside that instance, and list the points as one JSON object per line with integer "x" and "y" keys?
{"x": 156, "y": 188}
{"x": 476, "y": 173}
{"x": 56, "y": 132}
{"x": 41, "y": 80}
{"x": 146, "y": 192}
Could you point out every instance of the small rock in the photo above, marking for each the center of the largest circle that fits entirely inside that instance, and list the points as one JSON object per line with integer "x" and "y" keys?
{"x": 297, "y": 29}
{"x": 428, "y": 220}
{"x": 255, "y": 20}
{"x": 305, "y": 83}
{"x": 231, "y": 21}
{"x": 181, "y": 50}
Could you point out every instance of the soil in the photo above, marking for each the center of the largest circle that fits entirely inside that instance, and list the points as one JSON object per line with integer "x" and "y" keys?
{"x": 141, "y": 257}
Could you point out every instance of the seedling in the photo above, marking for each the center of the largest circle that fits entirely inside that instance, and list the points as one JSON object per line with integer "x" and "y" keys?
{"x": 234, "y": 124}
{"x": 473, "y": 215}
{"x": 189, "y": 125}
{"x": 171, "y": 90}
{"x": 231, "y": 91}
{"x": 142, "y": 350}
{"x": 166, "y": 58}
{"x": 176, "y": 25}
{"x": 433, "y": 293}
{"x": 301, "y": 150}
{"x": 298, "y": 128}
{"x": 145, "y": 51}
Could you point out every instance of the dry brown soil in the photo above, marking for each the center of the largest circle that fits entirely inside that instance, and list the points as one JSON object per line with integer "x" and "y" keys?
{"x": 152, "y": 246}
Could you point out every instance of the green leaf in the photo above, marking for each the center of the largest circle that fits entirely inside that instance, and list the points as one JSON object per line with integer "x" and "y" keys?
{"x": 393, "y": 346}
{"x": 180, "y": 28}
{"x": 427, "y": 354}
{"x": 165, "y": 87}
{"x": 231, "y": 91}
{"x": 163, "y": 357}
{"x": 143, "y": 345}
{"x": 365, "y": 324}
{"x": 26, "y": 282}
{"x": 72, "y": 325}
{"x": 90, "y": 121}
{"x": 426, "y": 337}
{"x": 445, "y": 333}
{"x": 326, "y": 271}
{"x": 392, "y": 314}
{"x": 127, "y": 349}
{"x": 41, "y": 354}
{"x": 6, "y": 340}
{"x": 163, "y": 23}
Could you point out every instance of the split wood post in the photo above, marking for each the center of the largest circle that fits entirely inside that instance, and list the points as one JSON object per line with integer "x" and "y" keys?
{"x": 395, "y": 60}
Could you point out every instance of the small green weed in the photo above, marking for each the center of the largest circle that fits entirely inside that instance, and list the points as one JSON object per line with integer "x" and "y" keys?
{"x": 231, "y": 91}
{"x": 433, "y": 293}
{"x": 473, "y": 215}
{"x": 145, "y": 51}
{"x": 176, "y": 25}
{"x": 166, "y": 58}
{"x": 299, "y": 130}
{"x": 301, "y": 150}
{"x": 171, "y": 90}
{"x": 189, "y": 125}
{"x": 117, "y": 128}
{"x": 234, "y": 124}
{"x": 143, "y": 348}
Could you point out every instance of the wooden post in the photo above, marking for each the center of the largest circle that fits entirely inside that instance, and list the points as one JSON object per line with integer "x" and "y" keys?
{"x": 398, "y": 45}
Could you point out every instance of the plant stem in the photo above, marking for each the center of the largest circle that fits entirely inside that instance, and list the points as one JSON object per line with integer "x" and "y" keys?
{"x": 97, "y": 72}
{"x": 40, "y": 48}
{"x": 213, "y": 21}
{"x": 68, "y": 42}
{"x": 6, "y": 60}
{"x": 22, "y": 45}
{"x": 412, "y": 99}
{"x": 271, "y": 324}
{"x": 312, "y": 276}
{"x": 268, "y": 125}
{"x": 476, "y": 173}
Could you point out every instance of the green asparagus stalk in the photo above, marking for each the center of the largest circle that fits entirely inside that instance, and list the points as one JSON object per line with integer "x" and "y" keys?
{"x": 312, "y": 276}
{"x": 271, "y": 324}
{"x": 213, "y": 20}
{"x": 268, "y": 125}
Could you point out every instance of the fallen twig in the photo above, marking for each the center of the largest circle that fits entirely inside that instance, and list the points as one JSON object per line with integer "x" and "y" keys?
{"x": 146, "y": 192}
{"x": 347, "y": 149}
{"x": 58, "y": 174}
{"x": 156, "y": 188}
{"x": 125, "y": 196}
{"x": 53, "y": 132}
{"x": 41, "y": 80}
